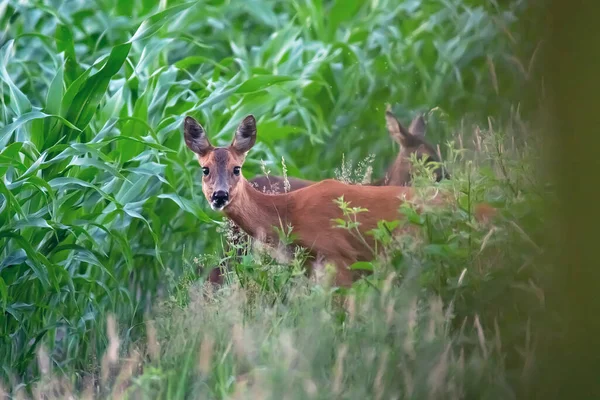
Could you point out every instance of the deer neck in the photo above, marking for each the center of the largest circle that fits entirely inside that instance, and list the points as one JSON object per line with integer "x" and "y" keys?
{"x": 398, "y": 173}
{"x": 257, "y": 213}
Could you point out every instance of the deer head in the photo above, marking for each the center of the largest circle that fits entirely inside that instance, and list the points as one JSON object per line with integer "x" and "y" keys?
{"x": 221, "y": 166}
{"x": 411, "y": 141}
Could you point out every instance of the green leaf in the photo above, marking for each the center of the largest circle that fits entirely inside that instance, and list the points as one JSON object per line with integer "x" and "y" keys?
{"x": 63, "y": 37}
{"x": 60, "y": 183}
{"x": 92, "y": 282}
{"x": 86, "y": 100}
{"x": 187, "y": 205}
{"x": 135, "y": 128}
{"x": 362, "y": 265}
{"x": 9, "y": 154}
{"x": 33, "y": 168}
{"x": 131, "y": 191}
{"x": 342, "y": 11}
{"x": 31, "y": 222}
{"x": 340, "y": 222}
{"x": 37, "y": 262}
{"x": 134, "y": 214}
{"x": 194, "y": 61}
{"x": 442, "y": 250}
{"x": 15, "y": 258}
{"x": 18, "y": 101}
{"x": 151, "y": 25}
{"x": 72, "y": 91}
{"x": 55, "y": 93}
{"x": 64, "y": 40}
{"x": 82, "y": 254}
{"x": 6, "y": 131}
{"x": 10, "y": 198}
{"x": 102, "y": 166}
{"x": 261, "y": 82}
{"x": 216, "y": 97}
{"x": 3, "y": 294}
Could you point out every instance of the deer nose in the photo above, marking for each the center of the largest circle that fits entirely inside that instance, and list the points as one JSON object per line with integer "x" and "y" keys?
{"x": 220, "y": 197}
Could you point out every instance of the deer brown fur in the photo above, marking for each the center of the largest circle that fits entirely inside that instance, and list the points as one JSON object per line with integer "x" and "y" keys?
{"x": 309, "y": 210}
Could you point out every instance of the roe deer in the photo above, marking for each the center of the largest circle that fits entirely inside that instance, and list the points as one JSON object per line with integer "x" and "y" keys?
{"x": 309, "y": 210}
{"x": 411, "y": 141}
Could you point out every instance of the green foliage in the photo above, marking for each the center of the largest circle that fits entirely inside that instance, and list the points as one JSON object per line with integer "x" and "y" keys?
{"x": 101, "y": 210}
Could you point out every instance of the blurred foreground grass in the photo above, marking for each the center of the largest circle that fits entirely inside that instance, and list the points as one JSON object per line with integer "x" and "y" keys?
{"x": 102, "y": 216}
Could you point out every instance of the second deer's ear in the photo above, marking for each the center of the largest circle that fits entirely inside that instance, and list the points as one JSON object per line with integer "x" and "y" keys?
{"x": 245, "y": 135}
{"x": 417, "y": 127}
{"x": 195, "y": 137}
{"x": 396, "y": 130}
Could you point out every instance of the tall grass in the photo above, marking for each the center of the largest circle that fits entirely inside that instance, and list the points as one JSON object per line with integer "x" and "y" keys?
{"x": 453, "y": 314}
{"x": 100, "y": 204}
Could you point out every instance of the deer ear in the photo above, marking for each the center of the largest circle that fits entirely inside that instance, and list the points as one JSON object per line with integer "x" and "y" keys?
{"x": 395, "y": 129}
{"x": 195, "y": 137}
{"x": 417, "y": 127}
{"x": 245, "y": 135}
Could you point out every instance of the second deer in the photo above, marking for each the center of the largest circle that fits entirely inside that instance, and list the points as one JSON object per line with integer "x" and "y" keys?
{"x": 412, "y": 142}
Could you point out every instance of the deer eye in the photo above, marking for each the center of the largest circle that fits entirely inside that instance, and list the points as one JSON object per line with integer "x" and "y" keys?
{"x": 205, "y": 171}
{"x": 236, "y": 171}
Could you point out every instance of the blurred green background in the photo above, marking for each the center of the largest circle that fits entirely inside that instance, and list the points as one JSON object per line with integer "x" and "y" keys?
{"x": 100, "y": 202}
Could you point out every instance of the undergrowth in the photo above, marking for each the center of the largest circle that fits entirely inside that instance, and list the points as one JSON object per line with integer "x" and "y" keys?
{"x": 450, "y": 313}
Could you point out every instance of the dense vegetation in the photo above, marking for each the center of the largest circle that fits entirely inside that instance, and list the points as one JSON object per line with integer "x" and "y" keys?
{"x": 106, "y": 238}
